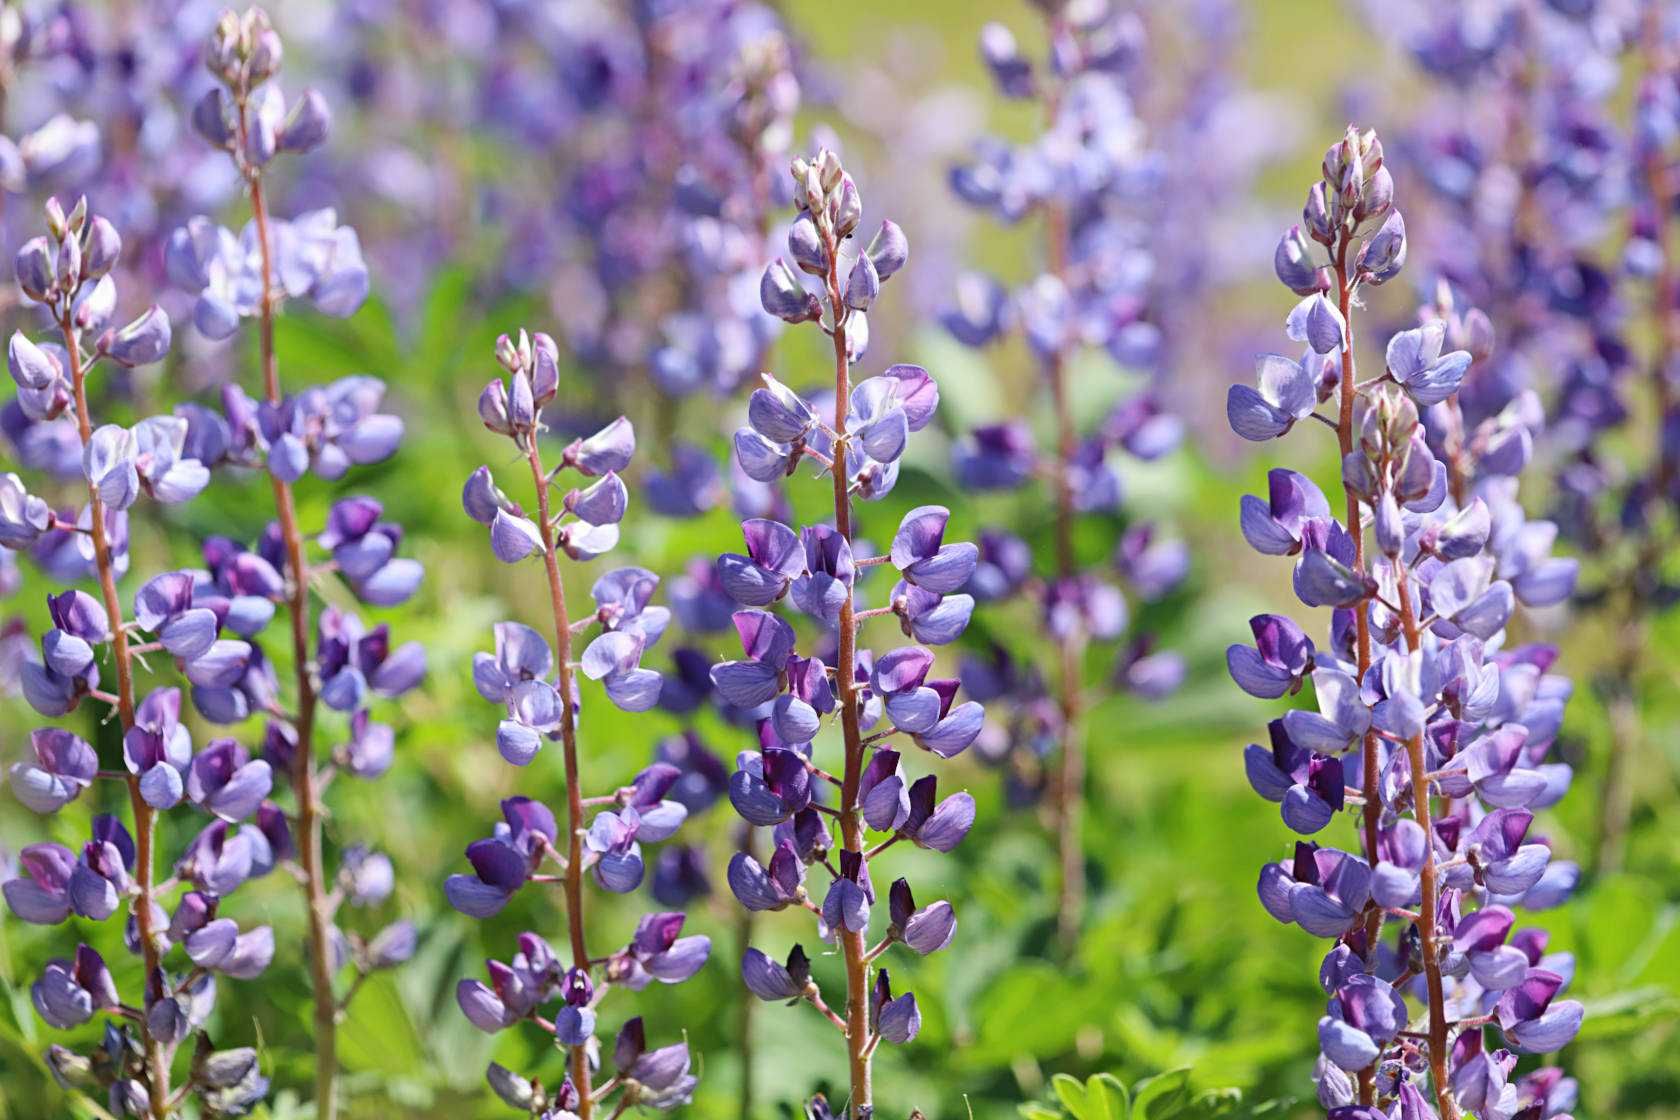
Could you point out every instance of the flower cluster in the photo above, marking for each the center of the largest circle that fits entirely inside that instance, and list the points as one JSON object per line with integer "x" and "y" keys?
{"x": 856, "y": 434}
{"x": 1429, "y": 723}
{"x": 176, "y": 616}
{"x": 1555, "y": 202}
{"x": 536, "y": 686}
{"x": 1089, "y": 177}
{"x": 338, "y": 662}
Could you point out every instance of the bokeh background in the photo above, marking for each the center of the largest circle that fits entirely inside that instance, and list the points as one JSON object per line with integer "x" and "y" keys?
{"x": 1178, "y": 964}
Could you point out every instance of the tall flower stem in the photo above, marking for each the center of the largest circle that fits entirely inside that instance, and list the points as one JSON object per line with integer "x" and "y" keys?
{"x": 1627, "y": 732}
{"x": 1430, "y": 884}
{"x": 1346, "y": 437}
{"x": 852, "y": 945}
{"x": 145, "y": 820}
{"x": 1070, "y": 779}
{"x": 568, "y": 740}
{"x": 306, "y": 784}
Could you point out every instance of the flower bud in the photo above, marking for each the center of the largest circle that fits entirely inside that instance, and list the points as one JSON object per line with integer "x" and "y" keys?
{"x": 30, "y": 366}
{"x": 521, "y": 405}
{"x": 128, "y": 1098}
{"x": 1390, "y": 530}
{"x": 1382, "y": 257}
{"x": 848, "y": 207}
{"x": 70, "y": 260}
{"x": 266, "y": 53}
{"x": 828, "y": 169}
{"x": 104, "y": 246}
{"x": 805, "y": 245}
{"x": 1417, "y": 471}
{"x": 545, "y": 374}
{"x": 259, "y": 140}
{"x": 779, "y": 414}
{"x": 783, "y": 296}
{"x": 142, "y": 342}
{"x": 1358, "y": 476}
{"x": 307, "y": 126}
{"x": 1293, "y": 264}
{"x": 1321, "y": 213}
{"x": 1371, "y": 428}
{"x": 889, "y": 250}
{"x": 221, "y": 1069}
{"x": 227, "y": 42}
{"x": 1351, "y": 188}
{"x": 863, "y": 285}
{"x": 513, "y": 1090}
{"x": 1334, "y": 159}
{"x": 77, "y": 218}
{"x": 507, "y": 354}
{"x": 69, "y": 1068}
{"x": 209, "y": 119}
{"x": 1478, "y": 334}
{"x": 1371, "y": 151}
{"x": 55, "y": 218}
{"x": 1377, "y": 198}
{"x": 34, "y": 270}
{"x": 493, "y": 408}
{"x": 1401, "y": 418}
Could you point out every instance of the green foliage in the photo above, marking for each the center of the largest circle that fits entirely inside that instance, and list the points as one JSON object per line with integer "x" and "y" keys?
{"x": 1165, "y": 1096}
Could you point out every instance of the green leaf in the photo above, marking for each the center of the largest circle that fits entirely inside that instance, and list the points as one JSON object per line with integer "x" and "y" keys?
{"x": 1215, "y": 1103}
{"x": 378, "y": 1033}
{"x": 1162, "y": 1095}
{"x": 1108, "y": 1097}
{"x": 1038, "y": 1112}
{"x": 1072, "y": 1094}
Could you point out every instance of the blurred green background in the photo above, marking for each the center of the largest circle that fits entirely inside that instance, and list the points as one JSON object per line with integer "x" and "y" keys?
{"x": 1179, "y": 964}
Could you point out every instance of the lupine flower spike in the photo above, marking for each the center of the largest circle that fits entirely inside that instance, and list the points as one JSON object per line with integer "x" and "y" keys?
{"x": 202, "y": 641}
{"x": 536, "y": 687}
{"x": 340, "y": 664}
{"x": 1430, "y": 726}
{"x": 883, "y": 704}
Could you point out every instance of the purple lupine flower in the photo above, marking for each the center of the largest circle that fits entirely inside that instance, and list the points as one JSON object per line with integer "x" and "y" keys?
{"x": 1414, "y": 715}
{"x": 858, "y": 432}
{"x": 538, "y": 687}
{"x": 65, "y": 765}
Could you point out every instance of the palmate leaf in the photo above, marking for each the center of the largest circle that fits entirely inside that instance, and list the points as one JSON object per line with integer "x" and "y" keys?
{"x": 1103, "y": 1097}
{"x": 1162, "y": 1095}
{"x": 1165, "y": 1096}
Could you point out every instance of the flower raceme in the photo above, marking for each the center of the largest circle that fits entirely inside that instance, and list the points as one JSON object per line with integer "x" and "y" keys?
{"x": 207, "y": 625}
{"x": 535, "y": 684}
{"x": 1435, "y": 728}
{"x": 1101, "y": 289}
{"x": 856, "y": 434}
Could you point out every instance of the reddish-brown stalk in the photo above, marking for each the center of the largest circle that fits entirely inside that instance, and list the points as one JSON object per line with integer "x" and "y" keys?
{"x": 1346, "y": 283}
{"x": 1070, "y": 647}
{"x": 145, "y": 819}
{"x": 568, "y": 742}
{"x": 318, "y": 900}
{"x": 852, "y": 945}
{"x": 1431, "y": 887}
